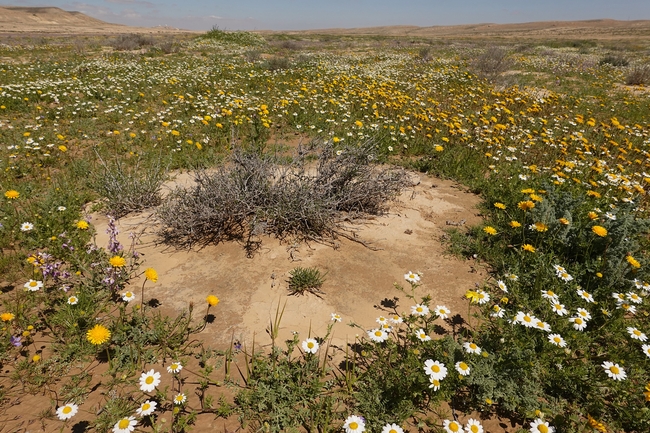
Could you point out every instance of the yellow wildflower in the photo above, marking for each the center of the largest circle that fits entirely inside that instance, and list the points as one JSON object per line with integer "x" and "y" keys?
{"x": 12, "y": 194}
{"x": 633, "y": 262}
{"x": 117, "y": 261}
{"x": 99, "y": 334}
{"x": 526, "y": 205}
{"x": 212, "y": 300}
{"x": 499, "y": 206}
{"x": 7, "y": 317}
{"x": 490, "y": 230}
{"x": 599, "y": 231}
{"x": 528, "y": 247}
{"x": 82, "y": 225}
{"x": 515, "y": 224}
{"x": 151, "y": 274}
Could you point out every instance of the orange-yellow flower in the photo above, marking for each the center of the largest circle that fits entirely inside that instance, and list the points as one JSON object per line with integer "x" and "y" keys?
{"x": 633, "y": 262}
{"x": 212, "y": 300}
{"x": 490, "y": 230}
{"x": 564, "y": 221}
{"x": 499, "y": 206}
{"x": 599, "y": 231}
{"x": 82, "y": 225}
{"x": 528, "y": 247}
{"x": 7, "y": 317}
{"x": 117, "y": 261}
{"x": 515, "y": 224}
{"x": 99, "y": 334}
{"x": 12, "y": 194}
{"x": 526, "y": 205}
{"x": 151, "y": 274}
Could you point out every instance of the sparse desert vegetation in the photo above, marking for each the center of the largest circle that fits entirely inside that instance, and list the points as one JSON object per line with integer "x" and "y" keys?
{"x": 302, "y": 140}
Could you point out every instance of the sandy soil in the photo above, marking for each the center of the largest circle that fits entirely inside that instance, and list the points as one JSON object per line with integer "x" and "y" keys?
{"x": 358, "y": 278}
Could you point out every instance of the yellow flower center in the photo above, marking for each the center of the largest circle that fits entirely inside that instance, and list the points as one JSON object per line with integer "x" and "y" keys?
{"x": 310, "y": 345}
{"x": 579, "y": 321}
{"x": 422, "y": 335}
{"x": 378, "y": 333}
{"x": 614, "y": 369}
{"x": 174, "y": 366}
{"x": 557, "y": 339}
{"x": 474, "y": 428}
{"x": 145, "y": 407}
{"x": 124, "y": 423}
{"x": 454, "y": 426}
{"x": 637, "y": 332}
{"x": 542, "y": 428}
{"x": 149, "y": 380}
{"x": 527, "y": 319}
{"x": 66, "y": 410}
{"x": 33, "y": 283}
{"x": 435, "y": 369}
{"x": 419, "y": 309}
{"x": 353, "y": 425}
{"x": 472, "y": 346}
{"x": 392, "y": 431}
{"x": 463, "y": 366}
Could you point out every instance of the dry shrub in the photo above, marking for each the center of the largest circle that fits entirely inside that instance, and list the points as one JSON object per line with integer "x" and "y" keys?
{"x": 491, "y": 63}
{"x": 638, "y": 76}
{"x": 253, "y": 194}
{"x": 131, "y": 42}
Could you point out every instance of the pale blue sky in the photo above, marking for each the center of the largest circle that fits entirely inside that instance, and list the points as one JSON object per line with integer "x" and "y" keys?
{"x": 314, "y": 14}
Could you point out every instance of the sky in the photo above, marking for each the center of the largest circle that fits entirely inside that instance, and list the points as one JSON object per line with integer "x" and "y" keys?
{"x": 320, "y": 14}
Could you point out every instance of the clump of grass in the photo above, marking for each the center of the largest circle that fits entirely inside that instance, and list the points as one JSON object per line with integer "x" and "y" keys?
{"x": 234, "y": 38}
{"x": 303, "y": 280}
{"x": 129, "y": 190}
{"x": 254, "y": 194}
{"x": 638, "y": 76}
{"x": 614, "y": 60}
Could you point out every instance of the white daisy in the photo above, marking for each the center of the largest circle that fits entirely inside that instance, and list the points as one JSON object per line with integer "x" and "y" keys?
{"x": 471, "y": 348}
{"x": 125, "y": 425}
{"x": 497, "y": 311}
{"x": 578, "y": 323}
{"x": 411, "y": 277}
{"x": 473, "y": 426}
{"x": 462, "y": 368}
{"x": 381, "y": 320}
{"x": 542, "y": 326}
{"x": 614, "y": 371}
{"x": 392, "y": 428}
{"x": 435, "y": 369}
{"x": 559, "y": 309}
{"x": 557, "y": 340}
{"x": 419, "y": 310}
{"x": 73, "y": 300}
{"x": 395, "y": 319}
{"x": 174, "y": 367}
{"x": 61, "y": 208}
{"x": 149, "y": 380}
{"x": 564, "y": 276}
{"x": 452, "y": 426}
{"x": 584, "y": 295}
{"x": 539, "y": 426}
{"x": 354, "y": 424}
{"x": 442, "y": 311}
{"x": 378, "y": 335}
{"x": 128, "y": 296}
{"x": 422, "y": 335}
{"x": 67, "y": 411}
{"x": 336, "y": 317}
{"x": 646, "y": 349}
{"x": 550, "y": 295}
{"x": 502, "y": 286}
{"x": 180, "y": 398}
{"x": 636, "y": 334}
{"x": 528, "y": 320}
{"x": 634, "y": 297}
{"x": 512, "y": 277}
{"x": 435, "y": 383}
{"x": 26, "y": 227}
{"x": 584, "y": 314}
{"x": 146, "y": 408}
{"x": 620, "y": 297}
{"x": 559, "y": 269}
{"x": 33, "y": 285}
{"x": 310, "y": 345}
{"x": 629, "y": 308}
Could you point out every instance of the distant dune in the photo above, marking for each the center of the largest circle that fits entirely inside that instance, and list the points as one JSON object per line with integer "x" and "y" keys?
{"x": 14, "y": 19}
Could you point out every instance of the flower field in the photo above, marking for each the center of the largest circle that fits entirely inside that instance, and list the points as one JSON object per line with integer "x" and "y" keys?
{"x": 557, "y": 146}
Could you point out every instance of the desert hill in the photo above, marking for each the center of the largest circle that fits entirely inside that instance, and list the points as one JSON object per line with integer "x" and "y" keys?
{"x": 590, "y": 29}
{"x": 15, "y": 19}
